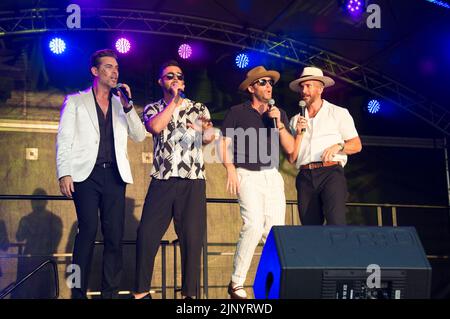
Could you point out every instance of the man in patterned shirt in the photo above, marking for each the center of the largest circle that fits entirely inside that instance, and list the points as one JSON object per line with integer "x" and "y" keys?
{"x": 179, "y": 127}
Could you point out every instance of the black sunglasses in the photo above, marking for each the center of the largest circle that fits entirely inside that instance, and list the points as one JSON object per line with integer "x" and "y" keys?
{"x": 171, "y": 76}
{"x": 263, "y": 82}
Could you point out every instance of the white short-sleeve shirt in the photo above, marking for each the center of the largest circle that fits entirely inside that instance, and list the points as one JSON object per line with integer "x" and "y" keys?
{"x": 331, "y": 125}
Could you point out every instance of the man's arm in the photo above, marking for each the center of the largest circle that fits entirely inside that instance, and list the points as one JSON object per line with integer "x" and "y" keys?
{"x": 136, "y": 129}
{"x": 159, "y": 122}
{"x": 204, "y": 127}
{"x": 300, "y": 124}
{"x": 66, "y": 186}
{"x": 352, "y": 146}
{"x": 208, "y": 135}
{"x": 292, "y": 157}
{"x": 349, "y": 147}
{"x": 352, "y": 142}
{"x": 286, "y": 139}
{"x": 207, "y": 131}
{"x": 64, "y": 140}
{"x": 225, "y": 156}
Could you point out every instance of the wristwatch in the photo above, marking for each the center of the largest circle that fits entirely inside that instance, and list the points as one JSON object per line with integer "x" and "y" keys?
{"x": 342, "y": 145}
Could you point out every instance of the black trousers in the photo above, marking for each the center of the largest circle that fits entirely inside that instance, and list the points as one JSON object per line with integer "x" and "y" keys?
{"x": 184, "y": 200}
{"x": 103, "y": 190}
{"x": 321, "y": 195}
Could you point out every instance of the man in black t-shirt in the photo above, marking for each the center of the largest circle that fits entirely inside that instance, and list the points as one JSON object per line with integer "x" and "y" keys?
{"x": 250, "y": 146}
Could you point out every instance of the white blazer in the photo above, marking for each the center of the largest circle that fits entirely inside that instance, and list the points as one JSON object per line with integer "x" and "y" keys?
{"x": 78, "y": 137}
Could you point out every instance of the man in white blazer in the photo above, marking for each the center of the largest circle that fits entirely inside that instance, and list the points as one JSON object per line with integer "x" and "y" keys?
{"x": 93, "y": 167}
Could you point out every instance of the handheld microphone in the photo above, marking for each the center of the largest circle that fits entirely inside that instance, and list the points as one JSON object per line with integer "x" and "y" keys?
{"x": 181, "y": 94}
{"x": 302, "y": 105}
{"x": 124, "y": 93}
{"x": 271, "y": 104}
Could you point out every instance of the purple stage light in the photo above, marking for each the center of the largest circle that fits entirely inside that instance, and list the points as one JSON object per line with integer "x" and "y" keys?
{"x": 355, "y": 7}
{"x": 185, "y": 51}
{"x": 123, "y": 45}
{"x": 57, "y": 46}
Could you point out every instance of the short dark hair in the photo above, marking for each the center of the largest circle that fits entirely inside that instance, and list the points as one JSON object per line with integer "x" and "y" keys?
{"x": 97, "y": 55}
{"x": 167, "y": 64}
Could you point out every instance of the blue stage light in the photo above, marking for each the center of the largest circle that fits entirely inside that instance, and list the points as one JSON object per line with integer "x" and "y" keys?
{"x": 242, "y": 60}
{"x": 57, "y": 46}
{"x": 440, "y": 3}
{"x": 373, "y": 106}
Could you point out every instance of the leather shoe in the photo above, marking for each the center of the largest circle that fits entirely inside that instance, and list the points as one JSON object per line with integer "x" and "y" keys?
{"x": 147, "y": 296}
{"x": 232, "y": 291}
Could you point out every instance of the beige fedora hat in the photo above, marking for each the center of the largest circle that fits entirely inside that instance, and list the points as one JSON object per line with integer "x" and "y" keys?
{"x": 311, "y": 73}
{"x": 257, "y": 73}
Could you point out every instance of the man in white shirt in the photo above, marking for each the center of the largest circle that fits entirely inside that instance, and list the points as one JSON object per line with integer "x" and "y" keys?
{"x": 324, "y": 137}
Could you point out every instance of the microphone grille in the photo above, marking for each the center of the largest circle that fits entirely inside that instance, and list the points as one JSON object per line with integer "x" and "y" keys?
{"x": 302, "y": 103}
{"x": 119, "y": 85}
{"x": 271, "y": 102}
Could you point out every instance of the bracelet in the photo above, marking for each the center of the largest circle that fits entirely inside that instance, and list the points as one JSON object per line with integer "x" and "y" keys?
{"x": 342, "y": 145}
{"x": 281, "y": 128}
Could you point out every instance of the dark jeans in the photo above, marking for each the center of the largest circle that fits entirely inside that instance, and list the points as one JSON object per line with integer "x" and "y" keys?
{"x": 184, "y": 200}
{"x": 103, "y": 190}
{"x": 321, "y": 195}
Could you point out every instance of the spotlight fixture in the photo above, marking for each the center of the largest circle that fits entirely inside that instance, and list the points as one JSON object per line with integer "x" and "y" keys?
{"x": 57, "y": 45}
{"x": 123, "y": 45}
{"x": 242, "y": 60}
{"x": 373, "y": 106}
{"x": 185, "y": 51}
{"x": 355, "y": 7}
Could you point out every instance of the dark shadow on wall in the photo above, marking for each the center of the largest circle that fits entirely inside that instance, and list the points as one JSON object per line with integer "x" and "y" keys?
{"x": 41, "y": 232}
{"x": 129, "y": 251}
{"x": 4, "y": 240}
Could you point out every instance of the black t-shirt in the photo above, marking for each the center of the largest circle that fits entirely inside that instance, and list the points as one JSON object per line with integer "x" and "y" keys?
{"x": 255, "y": 141}
{"x": 106, "y": 148}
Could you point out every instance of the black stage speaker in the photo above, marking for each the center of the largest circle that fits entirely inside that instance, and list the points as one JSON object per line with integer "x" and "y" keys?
{"x": 342, "y": 262}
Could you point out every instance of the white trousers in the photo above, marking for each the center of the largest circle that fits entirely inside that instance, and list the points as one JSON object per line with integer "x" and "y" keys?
{"x": 262, "y": 205}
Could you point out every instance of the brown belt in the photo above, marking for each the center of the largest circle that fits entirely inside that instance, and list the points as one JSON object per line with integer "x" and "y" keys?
{"x": 314, "y": 165}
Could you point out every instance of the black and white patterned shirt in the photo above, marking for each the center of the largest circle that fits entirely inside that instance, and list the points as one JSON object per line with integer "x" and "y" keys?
{"x": 177, "y": 149}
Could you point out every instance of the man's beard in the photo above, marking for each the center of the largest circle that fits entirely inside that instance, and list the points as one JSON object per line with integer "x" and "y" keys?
{"x": 263, "y": 99}
{"x": 310, "y": 101}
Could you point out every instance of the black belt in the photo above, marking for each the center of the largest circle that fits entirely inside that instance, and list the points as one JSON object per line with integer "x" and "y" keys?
{"x": 105, "y": 165}
{"x": 315, "y": 165}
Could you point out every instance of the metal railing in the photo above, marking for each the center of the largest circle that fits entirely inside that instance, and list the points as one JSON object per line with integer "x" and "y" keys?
{"x": 290, "y": 203}
{"x": 13, "y": 286}
{"x": 40, "y": 19}
{"x": 163, "y": 244}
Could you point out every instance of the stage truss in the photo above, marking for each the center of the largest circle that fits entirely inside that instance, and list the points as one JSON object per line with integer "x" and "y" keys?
{"x": 41, "y": 20}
